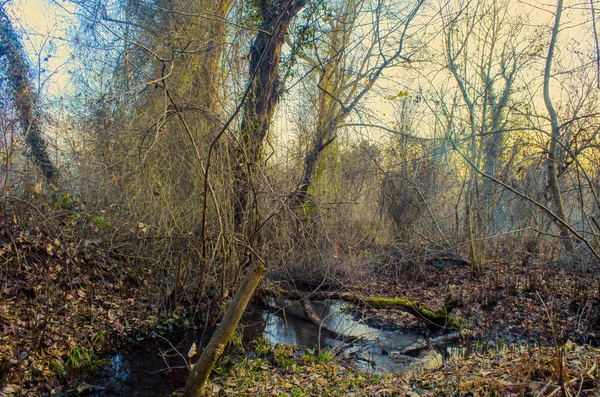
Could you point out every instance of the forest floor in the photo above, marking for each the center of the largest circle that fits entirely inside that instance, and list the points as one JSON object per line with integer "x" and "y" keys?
{"x": 508, "y": 370}
{"x": 64, "y": 301}
{"x": 538, "y": 302}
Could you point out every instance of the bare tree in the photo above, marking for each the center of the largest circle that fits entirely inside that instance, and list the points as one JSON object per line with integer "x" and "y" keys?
{"x": 346, "y": 76}
{"x": 553, "y": 182}
{"x": 485, "y": 55}
{"x": 25, "y": 97}
{"x": 263, "y": 96}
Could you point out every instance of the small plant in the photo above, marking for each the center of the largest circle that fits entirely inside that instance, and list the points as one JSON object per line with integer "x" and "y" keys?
{"x": 374, "y": 379}
{"x": 284, "y": 356}
{"x": 323, "y": 357}
{"x": 286, "y": 363}
{"x": 242, "y": 368}
{"x": 98, "y": 338}
{"x": 221, "y": 369}
{"x": 350, "y": 384}
{"x": 262, "y": 347}
{"x": 57, "y": 367}
{"x": 83, "y": 357}
{"x": 308, "y": 358}
{"x": 237, "y": 339}
{"x": 62, "y": 200}
{"x": 100, "y": 221}
{"x": 259, "y": 364}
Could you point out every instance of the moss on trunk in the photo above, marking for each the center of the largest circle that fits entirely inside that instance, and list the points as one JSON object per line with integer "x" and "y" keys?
{"x": 438, "y": 319}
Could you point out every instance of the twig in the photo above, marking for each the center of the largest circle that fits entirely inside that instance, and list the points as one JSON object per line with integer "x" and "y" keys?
{"x": 554, "y": 392}
{"x": 544, "y": 389}
{"x": 167, "y": 369}
{"x": 173, "y": 347}
{"x": 29, "y": 204}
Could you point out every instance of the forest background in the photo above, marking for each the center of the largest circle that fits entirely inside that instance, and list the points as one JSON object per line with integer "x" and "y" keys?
{"x": 176, "y": 146}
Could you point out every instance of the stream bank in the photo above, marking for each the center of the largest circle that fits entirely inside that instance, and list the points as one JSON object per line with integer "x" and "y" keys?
{"x": 280, "y": 353}
{"x": 159, "y": 365}
{"x": 514, "y": 370}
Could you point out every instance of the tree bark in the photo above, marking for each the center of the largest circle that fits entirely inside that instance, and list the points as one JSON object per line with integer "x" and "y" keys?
{"x": 196, "y": 382}
{"x": 437, "y": 319}
{"x": 24, "y": 96}
{"x": 265, "y": 55}
{"x": 553, "y": 182}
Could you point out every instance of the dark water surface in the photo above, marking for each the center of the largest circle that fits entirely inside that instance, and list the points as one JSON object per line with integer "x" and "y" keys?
{"x": 155, "y": 367}
{"x": 375, "y": 352}
{"x": 147, "y": 368}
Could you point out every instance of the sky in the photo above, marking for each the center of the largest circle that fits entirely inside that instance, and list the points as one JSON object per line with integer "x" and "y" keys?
{"x": 47, "y": 38}
{"x": 45, "y": 32}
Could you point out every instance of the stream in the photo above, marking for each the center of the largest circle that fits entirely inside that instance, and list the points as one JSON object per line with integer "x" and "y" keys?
{"x": 374, "y": 352}
{"x": 155, "y": 367}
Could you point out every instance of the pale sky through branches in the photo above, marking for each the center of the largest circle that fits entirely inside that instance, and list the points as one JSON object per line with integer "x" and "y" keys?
{"x": 44, "y": 27}
{"x": 47, "y": 29}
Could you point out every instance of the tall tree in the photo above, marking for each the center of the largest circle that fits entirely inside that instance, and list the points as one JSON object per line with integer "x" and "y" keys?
{"x": 552, "y": 160}
{"x": 485, "y": 55}
{"x": 263, "y": 96}
{"x": 24, "y": 96}
{"x": 347, "y": 71}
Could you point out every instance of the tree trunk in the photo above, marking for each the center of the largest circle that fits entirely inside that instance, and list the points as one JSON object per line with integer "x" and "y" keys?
{"x": 553, "y": 182}
{"x": 310, "y": 164}
{"x": 196, "y": 382}
{"x": 24, "y": 96}
{"x": 437, "y": 319}
{"x": 265, "y": 55}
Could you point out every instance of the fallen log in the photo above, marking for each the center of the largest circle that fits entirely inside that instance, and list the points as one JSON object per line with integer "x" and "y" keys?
{"x": 445, "y": 259}
{"x": 310, "y": 313}
{"x": 436, "y": 319}
{"x": 423, "y": 343}
{"x": 303, "y": 309}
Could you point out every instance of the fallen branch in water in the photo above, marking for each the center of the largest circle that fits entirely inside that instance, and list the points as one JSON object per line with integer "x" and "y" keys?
{"x": 423, "y": 343}
{"x": 437, "y": 319}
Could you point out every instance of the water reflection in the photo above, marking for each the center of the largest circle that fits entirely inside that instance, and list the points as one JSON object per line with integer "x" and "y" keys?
{"x": 152, "y": 368}
{"x": 148, "y": 368}
{"x": 375, "y": 352}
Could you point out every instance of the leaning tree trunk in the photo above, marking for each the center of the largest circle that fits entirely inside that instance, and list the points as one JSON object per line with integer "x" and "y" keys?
{"x": 24, "y": 96}
{"x": 196, "y": 382}
{"x": 258, "y": 112}
{"x": 265, "y": 54}
{"x": 553, "y": 182}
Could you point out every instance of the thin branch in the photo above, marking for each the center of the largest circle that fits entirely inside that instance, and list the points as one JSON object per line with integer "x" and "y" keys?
{"x": 547, "y": 210}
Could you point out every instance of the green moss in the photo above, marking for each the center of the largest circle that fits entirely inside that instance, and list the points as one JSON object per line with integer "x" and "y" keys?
{"x": 387, "y": 303}
{"x": 440, "y": 317}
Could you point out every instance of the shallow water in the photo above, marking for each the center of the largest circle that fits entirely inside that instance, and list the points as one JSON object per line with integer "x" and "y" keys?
{"x": 147, "y": 368}
{"x": 154, "y": 368}
{"x": 374, "y": 352}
